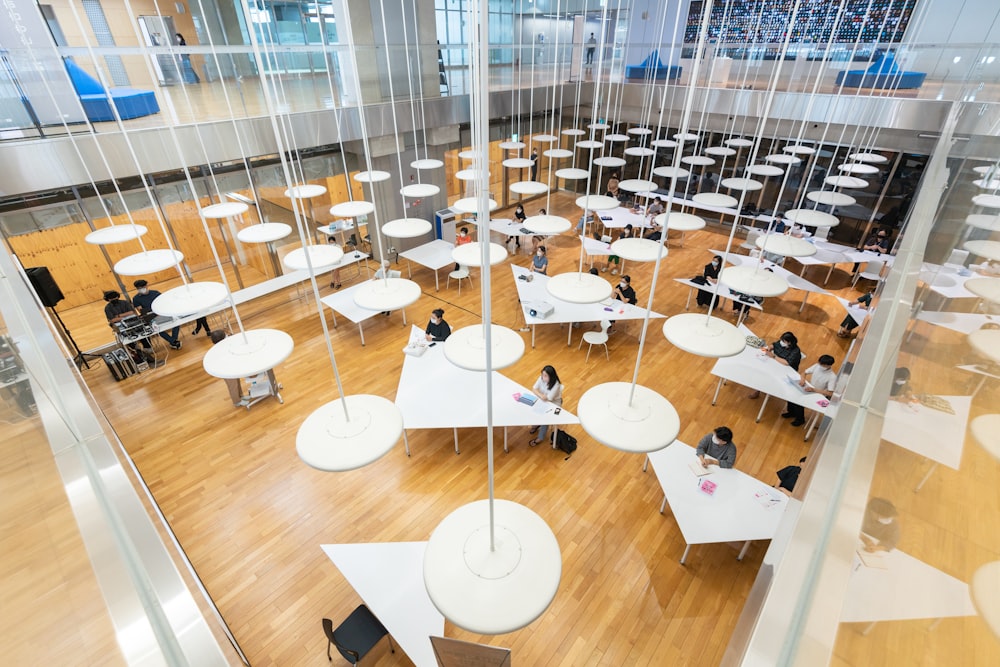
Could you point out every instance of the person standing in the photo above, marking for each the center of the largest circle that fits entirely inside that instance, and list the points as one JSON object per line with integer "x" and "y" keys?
{"x": 144, "y": 303}
{"x": 710, "y": 274}
{"x": 187, "y": 71}
{"x": 717, "y": 447}
{"x": 534, "y": 164}
{"x": 548, "y": 389}
{"x": 591, "y": 48}
{"x": 116, "y": 309}
{"x": 848, "y": 324}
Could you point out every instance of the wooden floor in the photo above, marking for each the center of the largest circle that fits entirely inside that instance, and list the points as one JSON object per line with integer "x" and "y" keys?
{"x": 251, "y": 516}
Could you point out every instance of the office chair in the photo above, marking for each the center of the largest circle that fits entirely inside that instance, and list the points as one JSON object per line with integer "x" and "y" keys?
{"x": 356, "y": 636}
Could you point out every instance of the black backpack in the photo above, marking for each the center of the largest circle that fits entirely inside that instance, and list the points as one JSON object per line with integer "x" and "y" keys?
{"x": 566, "y": 443}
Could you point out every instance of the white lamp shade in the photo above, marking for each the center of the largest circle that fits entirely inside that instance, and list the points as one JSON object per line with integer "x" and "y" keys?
{"x": 986, "y": 430}
{"x": 352, "y": 209}
{"x": 671, "y": 172}
{"x": 471, "y": 205}
{"x": 189, "y": 298}
{"x": 980, "y": 221}
{"x": 753, "y": 280}
{"x": 471, "y": 254}
{"x": 983, "y": 590}
{"x": 987, "y": 288}
{"x": 852, "y": 182}
{"x": 704, "y": 336}
{"x": 406, "y": 228}
{"x": 987, "y": 249}
{"x": 858, "y": 168}
{"x": 639, "y": 130}
{"x": 716, "y": 199}
{"x": 518, "y": 163}
{"x": 573, "y": 132}
{"x": 528, "y": 188}
{"x": 385, "y": 294}
{"x": 589, "y": 144}
{"x": 492, "y": 591}
{"x": 786, "y": 246}
{"x": 468, "y": 174}
{"x": 646, "y": 424}
{"x": 986, "y": 342}
{"x": 812, "y": 218}
{"x": 639, "y": 151}
{"x": 427, "y": 163}
{"x": 742, "y": 184}
{"x": 799, "y": 149}
{"x": 264, "y": 232}
{"x": 373, "y": 176}
{"x": 698, "y": 160}
{"x": 681, "y": 222}
{"x": 304, "y": 191}
{"x": 611, "y": 162}
{"x": 318, "y": 257}
{"x": 419, "y": 190}
{"x": 572, "y": 174}
{"x": 545, "y": 138}
{"x": 830, "y": 198}
{"x": 248, "y": 353}
{"x": 466, "y": 347}
{"x": 227, "y": 209}
{"x": 637, "y": 249}
{"x": 327, "y": 440}
{"x": 505, "y": 145}
{"x": 597, "y": 203}
{"x": 148, "y": 261}
{"x": 579, "y": 287}
{"x": 547, "y": 224}
{"x": 987, "y": 201}
{"x": 765, "y": 170}
{"x": 873, "y": 158}
{"x": 719, "y": 151}
{"x": 637, "y": 185}
{"x": 115, "y": 234}
{"x": 738, "y": 142}
{"x": 557, "y": 153}
{"x": 616, "y": 137}
{"x": 472, "y": 155}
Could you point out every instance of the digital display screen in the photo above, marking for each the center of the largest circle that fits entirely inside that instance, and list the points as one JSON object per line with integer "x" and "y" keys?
{"x": 768, "y": 21}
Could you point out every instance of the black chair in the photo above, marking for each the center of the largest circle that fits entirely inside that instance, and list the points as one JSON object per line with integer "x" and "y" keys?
{"x": 356, "y": 636}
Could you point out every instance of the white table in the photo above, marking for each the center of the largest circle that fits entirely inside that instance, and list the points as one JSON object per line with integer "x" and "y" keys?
{"x": 734, "y": 513}
{"x": 342, "y": 302}
{"x": 617, "y": 218}
{"x": 822, "y": 257}
{"x": 535, "y": 291}
{"x": 434, "y": 255}
{"x": 947, "y": 282}
{"x": 435, "y": 393}
{"x": 933, "y": 434}
{"x": 963, "y": 323}
{"x": 724, "y": 293}
{"x": 905, "y": 589}
{"x": 389, "y": 577}
{"x": 339, "y": 227}
{"x": 794, "y": 281}
{"x": 856, "y": 312}
{"x": 593, "y": 247}
{"x": 854, "y": 255}
{"x": 751, "y": 368}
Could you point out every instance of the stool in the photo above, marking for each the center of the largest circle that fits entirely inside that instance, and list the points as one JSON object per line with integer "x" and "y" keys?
{"x": 458, "y": 274}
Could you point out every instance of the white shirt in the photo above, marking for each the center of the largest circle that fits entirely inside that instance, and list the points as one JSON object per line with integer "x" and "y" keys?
{"x": 542, "y": 390}
{"x": 824, "y": 379}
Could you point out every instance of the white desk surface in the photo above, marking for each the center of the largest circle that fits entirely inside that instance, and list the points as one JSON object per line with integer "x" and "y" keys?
{"x": 617, "y": 218}
{"x": 854, "y": 255}
{"x": 963, "y": 323}
{"x": 389, "y": 577}
{"x": 435, "y": 393}
{"x": 906, "y": 589}
{"x": 857, "y": 313}
{"x": 755, "y": 370}
{"x": 731, "y": 514}
{"x": 595, "y": 247}
{"x": 336, "y": 227}
{"x": 512, "y": 228}
{"x": 947, "y": 282}
{"x": 933, "y": 434}
{"x": 342, "y": 301}
{"x": 794, "y": 281}
{"x": 434, "y": 255}
{"x": 536, "y": 291}
{"x": 724, "y": 293}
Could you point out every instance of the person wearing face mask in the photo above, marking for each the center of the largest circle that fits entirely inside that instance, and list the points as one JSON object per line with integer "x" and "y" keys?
{"x": 548, "y": 388}
{"x": 879, "y": 529}
{"x": 143, "y": 302}
{"x": 877, "y": 243}
{"x": 848, "y": 324}
{"x": 437, "y": 329}
{"x": 623, "y": 292}
{"x": 900, "y": 389}
{"x": 709, "y": 275}
{"x": 625, "y": 234}
{"x": 540, "y": 263}
{"x": 822, "y": 380}
{"x": 785, "y": 351}
{"x": 717, "y": 447}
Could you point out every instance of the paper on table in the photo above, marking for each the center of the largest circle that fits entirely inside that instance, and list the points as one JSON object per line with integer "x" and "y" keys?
{"x": 767, "y": 498}
{"x": 794, "y": 381}
{"x": 697, "y": 468}
{"x": 876, "y": 559}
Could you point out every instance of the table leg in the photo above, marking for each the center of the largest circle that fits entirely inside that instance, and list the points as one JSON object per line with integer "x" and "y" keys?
{"x": 687, "y": 548}
{"x": 437, "y": 285}
{"x": 362, "y": 332}
{"x": 718, "y": 387}
{"x": 555, "y": 436}
{"x": 505, "y": 450}
{"x": 334, "y": 314}
{"x": 404, "y": 316}
{"x": 926, "y": 477}
{"x": 687, "y": 304}
{"x": 743, "y": 551}
{"x": 762, "y": 406}
{"x": 235, "y": 391}
{"x": 743, "y": 314}
{"x": 868, "y": 628}
{"x": 456, "y": 440}
{"x": 532, "y": 336}
{"x": 812, "y": 425}
{"x": 663, "y": 506}
{"x": 933, "y": 626}
{"x": 682, "y": 238}
{"x": 406, "y": 442}
{"x": 979, "y": 386}
{"x": 409, "y": 269}
{"x": 829, "y": 273}
{"x": 804, "y": 299}
{"x": 645, "y": 463}
{"x": 569, "y": 334}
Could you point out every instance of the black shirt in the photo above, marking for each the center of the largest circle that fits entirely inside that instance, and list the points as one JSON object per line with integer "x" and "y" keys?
{"x": 788, "y": 476}
{"x": 711, "y": 271}
{"x": 439, "y": 331}
{"x": 792, "y": 354}
{"x": 144, "y": 302}
{"x": 519, "y": 215}
{"x": 113, "y": 309}
{"x": 626, "y": 292}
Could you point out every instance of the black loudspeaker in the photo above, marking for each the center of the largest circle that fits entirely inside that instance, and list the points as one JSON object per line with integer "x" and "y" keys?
{"x": 45, "y": 286}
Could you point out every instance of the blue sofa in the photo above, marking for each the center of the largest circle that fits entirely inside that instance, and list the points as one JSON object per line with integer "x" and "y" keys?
{"x": 130, "y": 102}
{"x": 883, "y": 73}
{"x": 660, "y": 72}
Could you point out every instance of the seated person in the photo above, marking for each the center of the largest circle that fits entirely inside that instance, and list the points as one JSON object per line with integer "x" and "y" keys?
{"x": 717, "y": 447}
{"x": 788, "y": 476}
{"x": 437, "y": 329}
{"x": 116, "y": 309}
{"x": 623, "y": 292}
{"x": 144, "y": 303}
{"x": 709, "y": 276}
{"x": 878, "y": 242}
{"x": 461, "y": 238}
{"x": 822, "y": 380}
{"x": 879, "y": 528}
{"x": 785, "y": 351}
{"x": 901, "y": 389}
{"x": 848, "y": 324}
{"x": 540, "y": 263}
{"x": 654, "y": 209}
{"x": 548, "y": 388}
